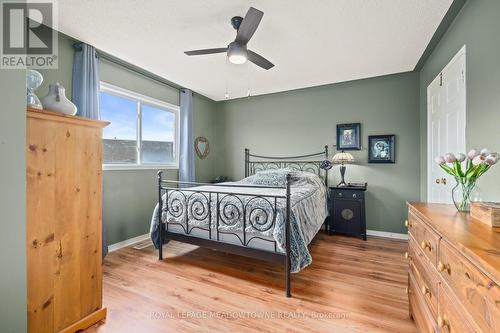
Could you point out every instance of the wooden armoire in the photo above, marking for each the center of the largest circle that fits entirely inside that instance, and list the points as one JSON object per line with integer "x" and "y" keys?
{"x": 64, "y": 221}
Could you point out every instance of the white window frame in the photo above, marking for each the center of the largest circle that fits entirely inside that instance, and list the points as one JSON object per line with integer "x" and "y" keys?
{"x": 142, "y": 99}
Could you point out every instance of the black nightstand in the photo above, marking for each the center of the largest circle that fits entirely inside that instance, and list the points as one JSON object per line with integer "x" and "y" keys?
{"x": 347, "y": 211}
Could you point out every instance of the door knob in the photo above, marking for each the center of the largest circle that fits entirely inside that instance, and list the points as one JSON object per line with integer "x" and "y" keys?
{"x": 438, "y": 180}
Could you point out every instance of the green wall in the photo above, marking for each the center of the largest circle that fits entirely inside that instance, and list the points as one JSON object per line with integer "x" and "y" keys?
{"x": 13, "y": 200}
{"x": 477, "y": 26}
{"x": 303, "y": 121}
{"x": 130, "y": 195}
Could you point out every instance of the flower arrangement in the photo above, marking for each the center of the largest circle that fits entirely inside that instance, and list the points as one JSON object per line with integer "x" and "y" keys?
{"x": 476, "y": 164}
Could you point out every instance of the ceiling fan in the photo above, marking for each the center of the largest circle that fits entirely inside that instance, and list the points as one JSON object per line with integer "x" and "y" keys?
{"x": 237, "y": 51}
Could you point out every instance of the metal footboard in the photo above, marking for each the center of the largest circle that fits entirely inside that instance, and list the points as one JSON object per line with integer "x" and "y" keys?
{"x": 216, "y": 212}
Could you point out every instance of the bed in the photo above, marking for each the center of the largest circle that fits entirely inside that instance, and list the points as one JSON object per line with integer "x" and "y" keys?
{"x": 272, "y": 214}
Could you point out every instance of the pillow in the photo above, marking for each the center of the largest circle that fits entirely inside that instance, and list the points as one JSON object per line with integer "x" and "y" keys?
{"x": 277, "y": 177}
{"x": 271, "y": 177}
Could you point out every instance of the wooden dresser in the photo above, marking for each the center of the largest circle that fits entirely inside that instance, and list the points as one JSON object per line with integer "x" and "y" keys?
{"x": 64, "y": 211}
{"x": 454, "y": 270}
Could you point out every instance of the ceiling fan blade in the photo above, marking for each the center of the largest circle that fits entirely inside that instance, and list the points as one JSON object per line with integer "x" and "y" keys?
{"x": 249, "y": 25}
{"x": 206, "y": 51}
{"x": 259, "y": 60}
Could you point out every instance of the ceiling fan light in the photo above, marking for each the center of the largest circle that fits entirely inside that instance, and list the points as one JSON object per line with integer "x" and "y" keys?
{"x": 237, "y": 59}
{"x": 237, "y": 54}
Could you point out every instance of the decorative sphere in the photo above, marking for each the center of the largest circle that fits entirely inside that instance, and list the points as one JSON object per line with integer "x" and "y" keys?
{"x": 33, "y": 79}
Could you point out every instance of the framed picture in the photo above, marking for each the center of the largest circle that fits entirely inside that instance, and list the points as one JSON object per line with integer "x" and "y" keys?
{"x": 348, "y": 136}
{"x": 382, "y": 149}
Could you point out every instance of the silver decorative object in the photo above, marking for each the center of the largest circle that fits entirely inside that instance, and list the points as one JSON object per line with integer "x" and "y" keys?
{"x": 57, "y": 101}
{"x": 33, "y": 81}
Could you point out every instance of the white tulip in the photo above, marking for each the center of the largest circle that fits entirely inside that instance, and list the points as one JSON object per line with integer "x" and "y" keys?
{"x": 484, "y": 152}
{"x": 472, "y": 153}
{"x": 450, "y": 157}
{"x": 480, "y": 159}
{"x": 461, "y": 157}
{"x": 440, "y": 160}
{"x": 491, "y": 159}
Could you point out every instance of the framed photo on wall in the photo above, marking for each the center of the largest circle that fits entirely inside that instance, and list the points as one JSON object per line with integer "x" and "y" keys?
{"x": 349, "y": 136}
{"x": 382, "y": 148}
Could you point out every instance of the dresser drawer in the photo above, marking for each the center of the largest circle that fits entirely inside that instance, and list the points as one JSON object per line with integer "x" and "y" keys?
{"x": 425, "y": 237}
{"x": 476, "y": 292}
{"x": 411, "y": 223}
{"x": 348, "y": 194}
{"x": 425, "y": 275}
{"x": 418, "y": 309}
{"x": 451, "y": 318}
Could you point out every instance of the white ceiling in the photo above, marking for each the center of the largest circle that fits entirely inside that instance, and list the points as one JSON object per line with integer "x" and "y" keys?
{"x": 310, "y": 42}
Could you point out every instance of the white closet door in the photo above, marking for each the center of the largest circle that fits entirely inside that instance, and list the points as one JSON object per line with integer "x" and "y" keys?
{"x": 446, "y": 110}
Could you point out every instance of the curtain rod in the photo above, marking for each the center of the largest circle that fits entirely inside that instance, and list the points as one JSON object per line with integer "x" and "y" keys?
{"x": 133, "y": 68}
{"x": 137, "y": 69}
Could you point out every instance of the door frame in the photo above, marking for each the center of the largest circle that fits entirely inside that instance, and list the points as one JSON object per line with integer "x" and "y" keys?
{"x": 430, "y": 159}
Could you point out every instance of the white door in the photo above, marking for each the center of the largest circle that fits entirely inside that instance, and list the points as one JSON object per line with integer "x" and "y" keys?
{"x": 446, "y": 109}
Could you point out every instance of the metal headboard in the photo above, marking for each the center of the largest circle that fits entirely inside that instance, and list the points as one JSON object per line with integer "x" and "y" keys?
{"x": 310, "y": 163}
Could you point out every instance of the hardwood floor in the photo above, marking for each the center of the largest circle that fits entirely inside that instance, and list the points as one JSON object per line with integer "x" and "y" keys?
{"x": 351, "y": 286}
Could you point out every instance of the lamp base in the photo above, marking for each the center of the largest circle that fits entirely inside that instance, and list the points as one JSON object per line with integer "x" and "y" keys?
{"x": 342, "y": 174}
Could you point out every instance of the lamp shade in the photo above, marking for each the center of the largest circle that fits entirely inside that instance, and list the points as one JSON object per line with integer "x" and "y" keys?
{"x": 343, "y": 158}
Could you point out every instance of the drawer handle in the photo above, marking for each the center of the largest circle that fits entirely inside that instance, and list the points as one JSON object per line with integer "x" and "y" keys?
{"x": 407, "y": 256}
{"x": 408, "y": 224}
{"x": 407, "y": 290}
{"x": 443, "y": 322}
{"x": 443, "y": 267}
{"x": 426, "y": 291}
{"x": 425, "y": 245}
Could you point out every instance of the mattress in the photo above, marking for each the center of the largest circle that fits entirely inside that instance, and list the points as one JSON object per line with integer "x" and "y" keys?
{"x": 260, "y": 211}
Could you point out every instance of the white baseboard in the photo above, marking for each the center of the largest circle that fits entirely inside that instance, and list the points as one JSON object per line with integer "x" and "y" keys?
{"x": 127, "y": 242}
{"x": 135, "y": 240}
{"x": 386, "y": 234}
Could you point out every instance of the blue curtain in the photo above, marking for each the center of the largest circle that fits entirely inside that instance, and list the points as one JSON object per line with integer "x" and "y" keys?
{"x": 186, "y": 154}
{"x": 86, "y": 81}
{"x": 86, "y": 95}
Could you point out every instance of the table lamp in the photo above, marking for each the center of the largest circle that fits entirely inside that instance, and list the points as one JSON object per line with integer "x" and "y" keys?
{"x": 342, "y": 158}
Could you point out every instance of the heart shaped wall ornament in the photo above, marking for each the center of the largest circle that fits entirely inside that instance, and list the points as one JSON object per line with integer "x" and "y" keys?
{"x": 202, "y": 147}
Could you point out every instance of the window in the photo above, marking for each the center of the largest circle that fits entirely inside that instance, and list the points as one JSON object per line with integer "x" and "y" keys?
{"x": 143, "y": 132}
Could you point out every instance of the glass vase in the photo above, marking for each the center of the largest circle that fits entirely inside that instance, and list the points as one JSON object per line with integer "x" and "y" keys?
{"x": 464, "y": 193}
